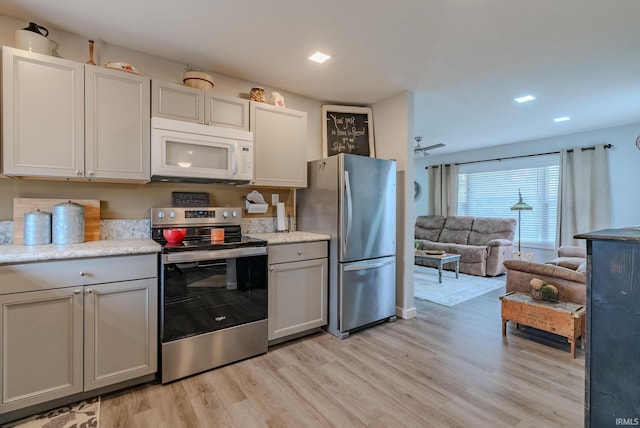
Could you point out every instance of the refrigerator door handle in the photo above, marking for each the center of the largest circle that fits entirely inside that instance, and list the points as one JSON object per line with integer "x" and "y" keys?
{"x": 349, "y": 208}
{"x": 369, "y": 264}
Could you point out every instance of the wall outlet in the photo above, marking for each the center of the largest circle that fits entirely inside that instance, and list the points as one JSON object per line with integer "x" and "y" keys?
{"x": 275, "y": 198}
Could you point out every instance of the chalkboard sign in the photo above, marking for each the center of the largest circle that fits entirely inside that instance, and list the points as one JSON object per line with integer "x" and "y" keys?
{"x": 347, "y": 129}
{"x": 189, "y": 199}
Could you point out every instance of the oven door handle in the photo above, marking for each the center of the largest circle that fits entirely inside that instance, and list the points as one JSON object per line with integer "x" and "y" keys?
{"x": 231, "y": 253}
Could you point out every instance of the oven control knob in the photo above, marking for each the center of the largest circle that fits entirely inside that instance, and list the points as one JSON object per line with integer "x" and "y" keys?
{"x": 160, "y": 214}
{"x": 172, "y": 214}
{"x": 225, "y": 214}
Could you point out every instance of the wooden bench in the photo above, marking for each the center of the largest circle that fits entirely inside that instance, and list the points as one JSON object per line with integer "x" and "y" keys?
{"x": 562, "y": 318}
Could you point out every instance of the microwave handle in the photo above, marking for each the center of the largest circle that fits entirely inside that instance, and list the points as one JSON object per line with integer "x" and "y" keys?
{"x": 234, "y": 159}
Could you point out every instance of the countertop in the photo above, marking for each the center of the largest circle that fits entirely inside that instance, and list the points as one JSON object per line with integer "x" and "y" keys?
{"x": 109, "y": 247}
{"x": 289, "y": 237}
{"x": 622, "y": 234}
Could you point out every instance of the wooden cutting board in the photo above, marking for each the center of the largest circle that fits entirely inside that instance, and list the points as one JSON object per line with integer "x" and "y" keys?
{"x": 25, "y": 205}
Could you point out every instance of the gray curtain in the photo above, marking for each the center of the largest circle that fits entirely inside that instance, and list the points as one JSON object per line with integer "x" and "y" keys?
{"x": 584, "y": 200}
{"x": 443, "y": 190}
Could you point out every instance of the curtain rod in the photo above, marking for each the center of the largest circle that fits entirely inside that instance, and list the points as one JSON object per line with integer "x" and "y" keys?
{"x": 606, "y": 146}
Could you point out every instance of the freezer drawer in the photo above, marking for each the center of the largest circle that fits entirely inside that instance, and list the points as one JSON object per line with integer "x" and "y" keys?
{"x": 367, "y": 292}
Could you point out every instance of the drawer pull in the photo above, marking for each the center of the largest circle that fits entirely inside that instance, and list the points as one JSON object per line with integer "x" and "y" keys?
{"x": 299, "y": 252}
{"x": 89, "y": 290}
{"x": 76, "y": 291}
{"x": 83, "y": 273}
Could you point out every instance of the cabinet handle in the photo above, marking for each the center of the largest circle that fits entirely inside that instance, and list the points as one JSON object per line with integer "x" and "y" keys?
{"x": 78, "y": 172}
{"x": 77, "y": 291}
{"x": 90, "y": 173}
{"x": 89, "y": 290}
{"x": 271, "y": 268}
{"x": 299, "y": 252}
{"x": 83, "y": 273}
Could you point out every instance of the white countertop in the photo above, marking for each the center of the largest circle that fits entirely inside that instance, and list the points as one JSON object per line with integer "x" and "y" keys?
{"x": 109, "y": 247}
{"x": 289, "y": 237}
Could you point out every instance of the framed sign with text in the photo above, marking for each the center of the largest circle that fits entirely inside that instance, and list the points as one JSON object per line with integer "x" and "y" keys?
{"x": 347, "y": 129}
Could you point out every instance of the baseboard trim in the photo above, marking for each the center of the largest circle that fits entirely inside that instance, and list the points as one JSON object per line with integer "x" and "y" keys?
{"x": 406, "y": 313}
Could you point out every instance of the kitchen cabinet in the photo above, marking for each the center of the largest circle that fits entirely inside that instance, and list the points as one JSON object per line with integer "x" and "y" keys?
{"x": 46, "y": 103}
{"x": 181, "y": 102}
{"x": 73, "y": 326}
{"x": 298, "y": 286}
{"x": 117, "y": 125}
{"x": 280, "y": 136}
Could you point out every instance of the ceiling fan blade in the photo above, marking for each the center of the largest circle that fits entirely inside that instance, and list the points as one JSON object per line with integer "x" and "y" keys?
{"x": 434, "y": 146}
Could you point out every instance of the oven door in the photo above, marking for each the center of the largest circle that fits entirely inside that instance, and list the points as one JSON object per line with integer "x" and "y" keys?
{"x": 202, "y": 293}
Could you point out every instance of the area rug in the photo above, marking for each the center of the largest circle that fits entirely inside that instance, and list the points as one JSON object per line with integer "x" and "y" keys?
{"x": 452, "y": 291}
{"x": 83, "y": 414}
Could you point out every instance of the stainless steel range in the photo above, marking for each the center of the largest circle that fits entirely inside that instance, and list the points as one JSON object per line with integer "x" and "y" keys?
{"x": 213, "y": 293}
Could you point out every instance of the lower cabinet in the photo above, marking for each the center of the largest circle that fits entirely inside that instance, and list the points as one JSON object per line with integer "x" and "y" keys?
{"x": 298, "y": 284}
{"x": 60, "y": 341}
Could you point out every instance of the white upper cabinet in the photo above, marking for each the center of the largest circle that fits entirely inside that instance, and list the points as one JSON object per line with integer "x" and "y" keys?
{"x": 117, "y": 125}
{"x": 280, "y": 136}
{"x": 42, "y": 115}
{"x": 46, "y": 101}
{"x": 181, "y": 102}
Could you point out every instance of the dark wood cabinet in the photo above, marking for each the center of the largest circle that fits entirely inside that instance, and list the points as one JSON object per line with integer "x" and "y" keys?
{"x": 612, "y": 363}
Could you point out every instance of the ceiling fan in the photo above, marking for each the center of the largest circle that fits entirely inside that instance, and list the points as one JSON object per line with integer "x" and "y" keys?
{"x": 420, "y": 151}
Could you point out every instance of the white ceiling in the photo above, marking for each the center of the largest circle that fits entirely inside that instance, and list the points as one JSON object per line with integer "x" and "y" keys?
{"x": 465, "y": 60}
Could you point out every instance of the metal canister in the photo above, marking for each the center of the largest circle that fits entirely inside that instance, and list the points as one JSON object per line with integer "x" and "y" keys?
{"x": 68, "y": 223}
{"x": 37, "y": 228}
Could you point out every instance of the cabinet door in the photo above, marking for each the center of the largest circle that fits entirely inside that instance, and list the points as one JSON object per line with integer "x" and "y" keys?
{"x": 120, "y": 332}
{"x": 176, "y": 101}
{"x": 43, "y": 115}
{"x": 229, "y": 112}
{"x": 297, "y": 297}
{"x": 117, "y": 125}
{"x": 280, "y": 136}
{"x": 41, "y": 346}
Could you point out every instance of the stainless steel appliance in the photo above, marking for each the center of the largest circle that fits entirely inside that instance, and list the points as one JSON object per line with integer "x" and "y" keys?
{"x": 193, "y": 152}
{"x": 353, "y": 199}
{"x": 213, "y": 294}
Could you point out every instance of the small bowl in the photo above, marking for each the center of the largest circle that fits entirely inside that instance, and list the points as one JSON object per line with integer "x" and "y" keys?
{"x": 174, "y": 236}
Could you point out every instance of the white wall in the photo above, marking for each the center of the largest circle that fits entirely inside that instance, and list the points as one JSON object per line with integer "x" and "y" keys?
{"x": 393, "y": 127}
{"x": 624, "y": 165}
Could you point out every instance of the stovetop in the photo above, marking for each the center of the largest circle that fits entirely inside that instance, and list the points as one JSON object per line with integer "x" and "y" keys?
{"x": 199, "y": 221}
{"x": 206, "y": 244}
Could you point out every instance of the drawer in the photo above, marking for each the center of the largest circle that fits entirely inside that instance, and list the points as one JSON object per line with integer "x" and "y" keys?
{"x": 298, "y": 251}
{"x": 76, "y": 272}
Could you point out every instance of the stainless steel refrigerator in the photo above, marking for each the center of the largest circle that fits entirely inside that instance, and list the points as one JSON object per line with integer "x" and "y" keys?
{"x": 353, "y": 199}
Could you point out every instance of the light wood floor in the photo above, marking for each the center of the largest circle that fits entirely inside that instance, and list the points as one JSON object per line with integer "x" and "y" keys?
{"x": 449, "y": 367}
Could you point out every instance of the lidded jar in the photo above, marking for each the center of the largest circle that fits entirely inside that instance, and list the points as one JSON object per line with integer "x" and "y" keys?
{"x": 67, "y": 223}
{"x": 37, "y": 228}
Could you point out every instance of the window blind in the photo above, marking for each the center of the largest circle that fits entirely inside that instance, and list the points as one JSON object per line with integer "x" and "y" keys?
{"x": 490, "y": 189}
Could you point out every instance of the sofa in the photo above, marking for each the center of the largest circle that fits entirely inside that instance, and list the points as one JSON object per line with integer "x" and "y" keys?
{"x": 483, "y": 243}
{"x": 567, "y": 272}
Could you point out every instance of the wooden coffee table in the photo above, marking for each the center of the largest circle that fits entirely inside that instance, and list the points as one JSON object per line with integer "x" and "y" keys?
{"x": 439, "y": 260}
{"x": 562, "y": 318}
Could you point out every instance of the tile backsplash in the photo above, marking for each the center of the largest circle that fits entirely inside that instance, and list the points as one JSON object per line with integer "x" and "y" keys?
{"x": 139, "y": 228}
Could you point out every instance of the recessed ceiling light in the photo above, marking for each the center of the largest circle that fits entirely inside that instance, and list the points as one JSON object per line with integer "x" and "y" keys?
{"x": 525, "y": 98}
{"x": 319, "y": 57}
{"x": 562, "y": 119}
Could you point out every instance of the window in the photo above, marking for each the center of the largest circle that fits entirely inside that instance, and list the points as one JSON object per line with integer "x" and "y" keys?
{"x": 490, "y": 189}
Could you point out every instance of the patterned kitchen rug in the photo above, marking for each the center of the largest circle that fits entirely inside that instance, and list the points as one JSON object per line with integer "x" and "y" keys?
{"x": 83, "y": 414}
{"x": 452, "y": 291}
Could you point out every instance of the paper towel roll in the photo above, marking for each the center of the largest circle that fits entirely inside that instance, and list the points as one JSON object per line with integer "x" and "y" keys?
{"x": 281, "y": 219}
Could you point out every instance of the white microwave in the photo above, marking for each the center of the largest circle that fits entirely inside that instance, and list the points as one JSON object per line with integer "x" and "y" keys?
{"x": 193, "y": 152}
